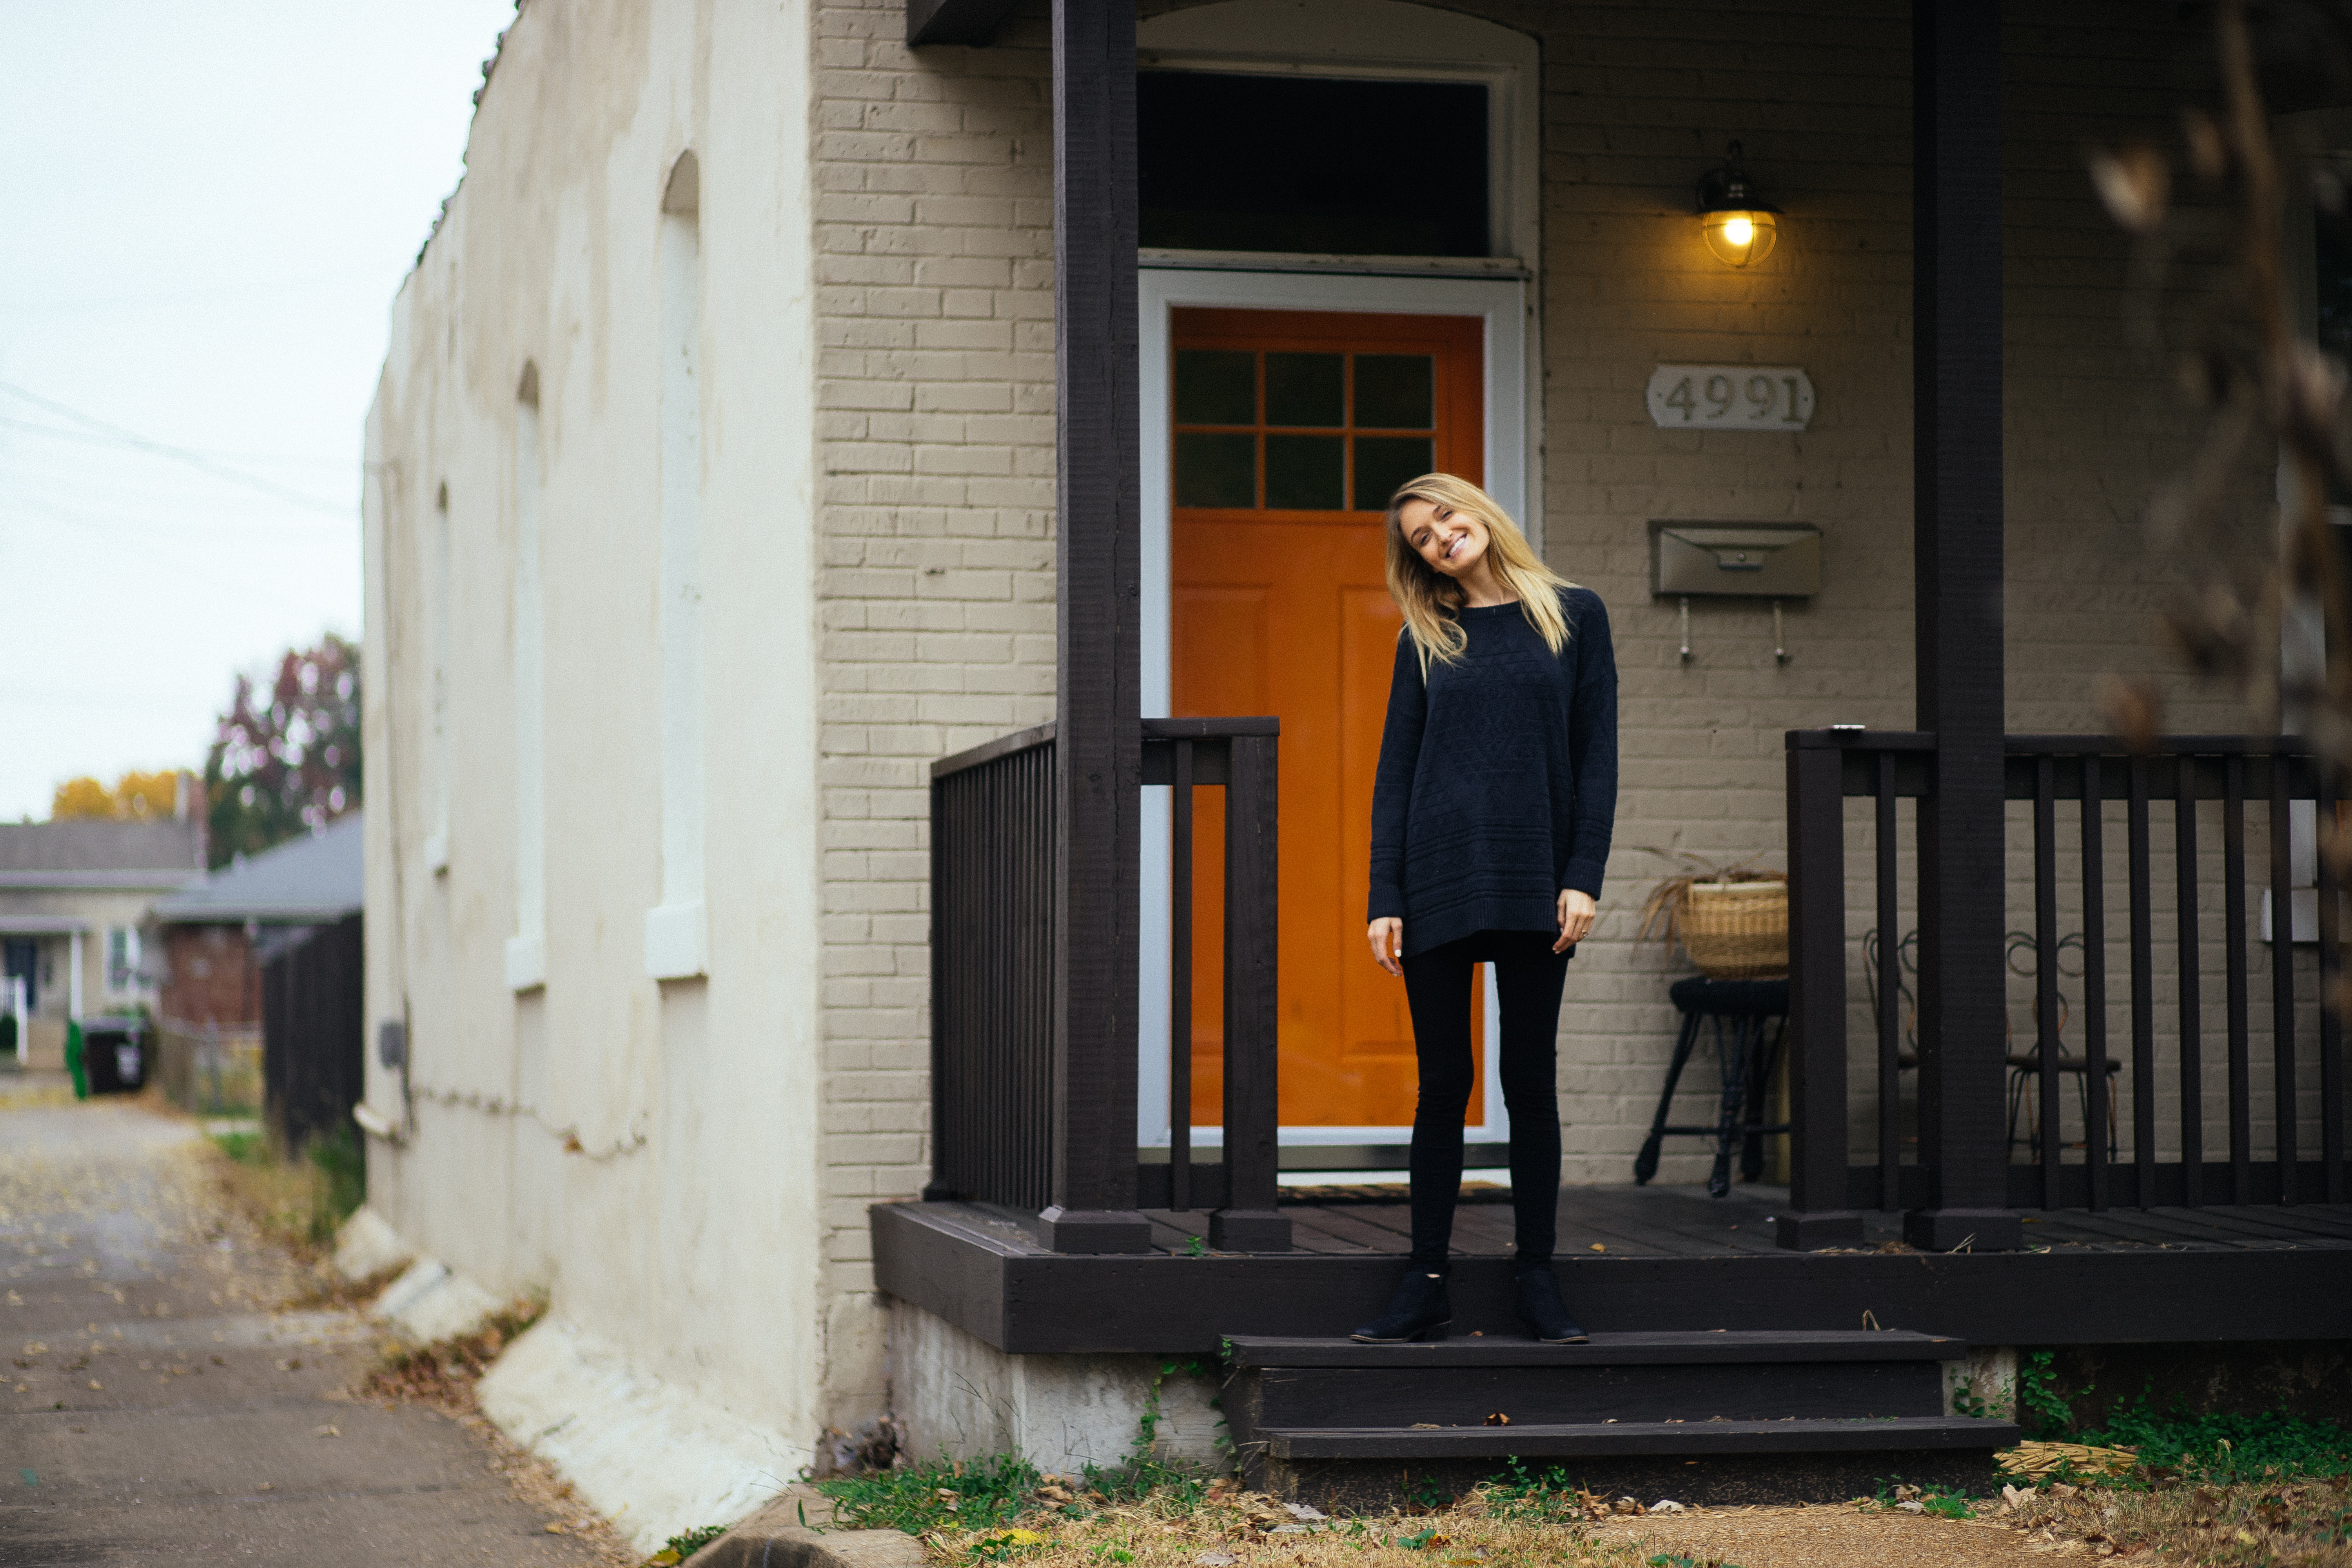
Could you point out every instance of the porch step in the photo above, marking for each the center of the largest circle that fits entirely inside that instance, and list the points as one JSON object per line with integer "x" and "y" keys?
{"x": 1647, "y": 1438}
{"x": 1720, "y": 1416}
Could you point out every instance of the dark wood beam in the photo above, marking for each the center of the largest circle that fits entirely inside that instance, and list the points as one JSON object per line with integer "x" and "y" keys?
{"x": 1956, "y": 379}
{"x": 1098, "y": 559}
{"x": 971, "y": 22}
{"x": 1820, "y": 1214}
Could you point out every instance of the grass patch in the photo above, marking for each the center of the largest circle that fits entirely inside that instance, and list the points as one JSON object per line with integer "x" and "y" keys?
{"x": 2227, "y": 1448}
{"x": 300, "y": 1201}
{"x": 2273, "y": 1521}
{"x": 974, "y": 1495}
{"x": 680, "y": 1547}
{"x": 1895, "y": 1494}
{"x": 1150, "y": 1514}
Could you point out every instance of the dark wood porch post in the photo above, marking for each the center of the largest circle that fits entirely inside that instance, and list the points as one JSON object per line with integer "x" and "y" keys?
{"x": 1956, "y": 356}
{"x": 1097, "y": 557}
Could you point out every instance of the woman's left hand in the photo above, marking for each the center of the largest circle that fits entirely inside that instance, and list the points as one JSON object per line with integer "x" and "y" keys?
{"x": 1577, "y": 912}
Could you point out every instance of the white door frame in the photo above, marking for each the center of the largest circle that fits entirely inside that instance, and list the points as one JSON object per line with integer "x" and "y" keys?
{"x": 1502, "y": 302}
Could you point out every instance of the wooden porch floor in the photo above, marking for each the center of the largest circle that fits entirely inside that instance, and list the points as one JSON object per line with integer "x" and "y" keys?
{"x": 1669, "y": 1259}
{"x": 1660, "y": 1221}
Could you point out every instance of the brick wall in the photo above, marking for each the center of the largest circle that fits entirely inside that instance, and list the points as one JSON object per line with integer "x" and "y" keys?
{"x": 936, "y": 445}
{"x": 934, "y": 268}
{"x": 208, "y": 975}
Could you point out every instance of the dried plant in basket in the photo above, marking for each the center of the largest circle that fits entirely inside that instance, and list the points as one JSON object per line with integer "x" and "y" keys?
{"x": 1733, "y": 920}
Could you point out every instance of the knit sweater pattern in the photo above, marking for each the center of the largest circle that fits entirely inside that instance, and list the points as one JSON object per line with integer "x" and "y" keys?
{"x": 1498, "y": 780}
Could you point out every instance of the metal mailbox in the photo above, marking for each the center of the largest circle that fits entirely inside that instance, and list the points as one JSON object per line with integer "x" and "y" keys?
{"x": 1745, "y": 560}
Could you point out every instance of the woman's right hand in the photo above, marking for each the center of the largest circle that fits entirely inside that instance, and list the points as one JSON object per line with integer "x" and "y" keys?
{"x": 1387, "y": 937}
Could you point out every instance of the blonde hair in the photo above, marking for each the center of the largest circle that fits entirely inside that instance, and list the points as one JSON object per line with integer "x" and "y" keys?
{"x": 1429, "y": 598}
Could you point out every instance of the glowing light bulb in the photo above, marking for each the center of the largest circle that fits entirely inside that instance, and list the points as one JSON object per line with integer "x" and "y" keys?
{"x": 1739, "y": 237}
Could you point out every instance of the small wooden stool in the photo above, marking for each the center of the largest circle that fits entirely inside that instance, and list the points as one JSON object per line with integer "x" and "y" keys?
{"x": 1757, "y": 1014}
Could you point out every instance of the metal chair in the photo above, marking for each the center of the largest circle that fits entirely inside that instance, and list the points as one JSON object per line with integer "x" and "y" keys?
{"x": 1751, "y": 1025}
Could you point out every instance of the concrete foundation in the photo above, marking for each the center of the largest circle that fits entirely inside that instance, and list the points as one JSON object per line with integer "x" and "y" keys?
{"x": 956, "y": 1394}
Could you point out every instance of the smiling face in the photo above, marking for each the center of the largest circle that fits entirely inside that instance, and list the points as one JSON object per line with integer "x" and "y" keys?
{"x": 1453, "y": 543}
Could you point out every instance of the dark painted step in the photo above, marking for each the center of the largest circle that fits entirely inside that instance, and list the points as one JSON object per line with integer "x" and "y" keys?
{"x": 1623, "y": 1438}
{"x": 1724, "y": 1416}
{"x": 1616, "y": 1377}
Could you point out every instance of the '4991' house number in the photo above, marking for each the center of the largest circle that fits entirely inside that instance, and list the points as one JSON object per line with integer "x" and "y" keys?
{"x": 1730, "y": 397}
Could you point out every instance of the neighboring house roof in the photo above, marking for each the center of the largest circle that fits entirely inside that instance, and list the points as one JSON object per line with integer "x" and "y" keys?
{"x": 320, "y": 876}
{"x": 96, "y": 853}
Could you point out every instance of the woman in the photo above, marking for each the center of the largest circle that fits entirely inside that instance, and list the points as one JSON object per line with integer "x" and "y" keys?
{"x": 1491, "y": 816}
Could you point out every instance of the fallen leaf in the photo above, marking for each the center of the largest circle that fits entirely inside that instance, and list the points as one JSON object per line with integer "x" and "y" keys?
{"x": 556, "y": 1526}
{"x": 1911, "y": 1505}
{"x": 1304, "y": 1510}
{"x": 1216, "y": 1560}
{"x": 1499, "y": 1419}
{"x": 96, "y": 1386}
{"x": 1597, "y": 1248}
{"x": 326, "y": 1432}
{"x": 1666, "y": 1505}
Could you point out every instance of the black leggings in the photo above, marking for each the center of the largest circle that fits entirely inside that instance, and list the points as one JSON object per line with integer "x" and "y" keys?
{"x": 1528, "y": 976}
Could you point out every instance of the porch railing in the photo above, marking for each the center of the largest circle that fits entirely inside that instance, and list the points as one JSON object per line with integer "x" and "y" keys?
{"x": 993, "y": 843}
{"x": 992, "y": 853}
{"x": 2171, "y": 800}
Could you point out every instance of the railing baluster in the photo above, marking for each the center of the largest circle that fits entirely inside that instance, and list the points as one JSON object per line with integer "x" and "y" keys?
{"x": 1179, "y": 989}
{"x": 1890, "y": 996}
{"x": 2331, "y": 1023}
{"x": 2095, "y": 980}
{"x": 2192, "y": 1066}
{"x": 2233, "y": 903}
{"x": 2282, "y": 977}
{"x": 2045, "y": 975}
{"x": 2143, "y": 987}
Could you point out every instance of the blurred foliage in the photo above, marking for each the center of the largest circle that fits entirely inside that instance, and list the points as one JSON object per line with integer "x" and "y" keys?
{"x": 285, "y": 761}
{"x": 136, "y": 797}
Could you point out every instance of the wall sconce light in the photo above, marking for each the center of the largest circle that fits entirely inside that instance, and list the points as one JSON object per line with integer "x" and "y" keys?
{"x": 1738, "y": 228}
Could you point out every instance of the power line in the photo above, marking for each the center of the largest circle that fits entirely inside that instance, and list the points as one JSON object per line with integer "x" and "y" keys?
{"x": 51, "y": 430}
{"x": 196, "y": 461}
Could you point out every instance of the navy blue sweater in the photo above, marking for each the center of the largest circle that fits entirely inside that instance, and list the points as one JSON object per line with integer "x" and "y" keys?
{"x": 1497, "y": 782}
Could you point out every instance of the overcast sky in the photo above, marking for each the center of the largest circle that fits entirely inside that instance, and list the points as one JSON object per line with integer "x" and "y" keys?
{"x": 209, "y": 205}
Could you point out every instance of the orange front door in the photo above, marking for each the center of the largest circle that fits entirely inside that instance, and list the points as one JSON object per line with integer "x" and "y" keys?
{"x": 1292, "y": 428}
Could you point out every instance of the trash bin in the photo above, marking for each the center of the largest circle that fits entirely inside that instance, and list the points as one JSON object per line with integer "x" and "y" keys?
{"x": 114, "y": 1055}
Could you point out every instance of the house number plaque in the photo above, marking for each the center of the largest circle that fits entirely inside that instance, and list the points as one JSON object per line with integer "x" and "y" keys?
{"x": 1730, "y": 397}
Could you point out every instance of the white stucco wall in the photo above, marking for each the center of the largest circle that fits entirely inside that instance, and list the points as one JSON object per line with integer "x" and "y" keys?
{"x": 648, "y": 1152}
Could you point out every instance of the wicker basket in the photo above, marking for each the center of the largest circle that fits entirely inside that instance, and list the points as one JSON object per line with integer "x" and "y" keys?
{"x": 1737, "y": 930}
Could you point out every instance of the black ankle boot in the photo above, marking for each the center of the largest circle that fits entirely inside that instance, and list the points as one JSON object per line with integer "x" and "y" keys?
{"x": 1419, "y": 1310}
{"x": 1545, "y": 1314}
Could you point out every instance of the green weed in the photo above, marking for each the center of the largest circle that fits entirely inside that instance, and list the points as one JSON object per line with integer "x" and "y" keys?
{"x": 342, "y": 1165}
{"x": 246, "y": 1148}
{"x": 2041, "y": 1410}
{"x": 2226, "y": 1448}
{"x": 680, "y": 1547}
{"x": 1893, "y": 1493}
{"x": 1551, "y": 1497}
{"x": 961, "y": 1494}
